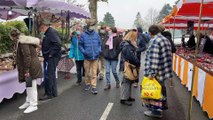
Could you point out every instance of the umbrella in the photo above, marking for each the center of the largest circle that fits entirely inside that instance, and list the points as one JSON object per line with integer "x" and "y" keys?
{"x": 57, "y": 7}
{"x": 4, "y": 14}
{"x": 20, "y": 3}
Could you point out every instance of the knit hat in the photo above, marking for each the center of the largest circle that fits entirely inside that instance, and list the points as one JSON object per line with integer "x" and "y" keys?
{"x": 161, "y": 27}
{"x": 91, "y": 22}
{"x": 46, "y": 22}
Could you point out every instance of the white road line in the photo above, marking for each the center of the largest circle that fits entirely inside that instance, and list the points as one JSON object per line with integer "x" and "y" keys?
{"x": 107, "y": 111}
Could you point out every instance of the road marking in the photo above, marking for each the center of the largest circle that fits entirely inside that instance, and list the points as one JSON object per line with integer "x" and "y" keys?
{"x": 107, "y": 111}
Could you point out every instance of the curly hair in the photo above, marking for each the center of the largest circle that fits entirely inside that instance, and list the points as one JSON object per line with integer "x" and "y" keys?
{"x": 14, "y": 34}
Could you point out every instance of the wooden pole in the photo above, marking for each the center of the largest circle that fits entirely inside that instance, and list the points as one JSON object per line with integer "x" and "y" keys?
{"x": 173, "y": 36}
{"x": 194, "y": 63}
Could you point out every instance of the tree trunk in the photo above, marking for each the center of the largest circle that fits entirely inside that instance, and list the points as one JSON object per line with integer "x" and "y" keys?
{"x": 93, "y": 8}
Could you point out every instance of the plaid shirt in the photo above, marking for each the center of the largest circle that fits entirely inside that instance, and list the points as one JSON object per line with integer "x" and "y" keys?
{"x": 158, "y": 60}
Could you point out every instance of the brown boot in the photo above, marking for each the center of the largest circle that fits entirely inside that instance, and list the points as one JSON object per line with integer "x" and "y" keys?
{"x": 107, "y": 87}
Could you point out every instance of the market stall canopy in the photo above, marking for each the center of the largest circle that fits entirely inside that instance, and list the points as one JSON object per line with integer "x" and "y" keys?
{"x": 184, "y": 26}
{"x": 20, "y": 3}
{"x": 187, "y": 9}
{"x": 61, "y": 8}
{"x": 54, "y": 6}
{"x": 4, "y": 14}
{"x": 185, "y": 19}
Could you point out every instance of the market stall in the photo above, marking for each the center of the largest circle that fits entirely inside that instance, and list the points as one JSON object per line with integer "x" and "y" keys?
{"x": 9, "y": 84}
{"x": 203, "y": 90}
{"x": 194, "y": 67}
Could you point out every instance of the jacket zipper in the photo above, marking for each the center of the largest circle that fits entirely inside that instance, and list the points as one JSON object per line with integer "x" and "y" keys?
{"x": 92, "y": 51}
{"x": 77, "y": 49}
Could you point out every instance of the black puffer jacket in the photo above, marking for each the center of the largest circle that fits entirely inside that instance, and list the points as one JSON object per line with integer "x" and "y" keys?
{"x": 168, "y": 35}
{"x": 113, "y": 53}
{"x": 128, "y": 53}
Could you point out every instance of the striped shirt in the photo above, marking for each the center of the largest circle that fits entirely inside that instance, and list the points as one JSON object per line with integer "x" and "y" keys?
{"x": 158, "y": 60}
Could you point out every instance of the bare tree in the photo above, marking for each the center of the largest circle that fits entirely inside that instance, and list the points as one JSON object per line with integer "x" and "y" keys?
{"x": 151, "y": 17}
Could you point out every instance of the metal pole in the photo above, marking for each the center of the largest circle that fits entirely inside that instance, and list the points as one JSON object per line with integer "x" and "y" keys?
{"x": 172, "y": 83}
{"x": 62, "y": 25}
{"x": 194, "y": 63}
{"x": 30, "y": 26}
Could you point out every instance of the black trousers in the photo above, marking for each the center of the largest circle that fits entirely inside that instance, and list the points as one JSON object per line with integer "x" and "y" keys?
{"x": 80, "y": 70}
{"x": 50, "y": 80}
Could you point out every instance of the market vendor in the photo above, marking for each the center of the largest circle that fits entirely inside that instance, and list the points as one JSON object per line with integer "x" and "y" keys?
{"x": 191, "y": 42}
{"x": 208, "y": 47}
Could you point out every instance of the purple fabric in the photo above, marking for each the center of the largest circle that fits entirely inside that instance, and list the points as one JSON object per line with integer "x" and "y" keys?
{"x": 52, "y": 6}
{"x": 26, "y": 3}
{"x": 9, "y": 84}
{"x": 7, "y": 3}
{"x": 4, "y": 14}
{"x": 72, "y": 15}
{"x": 22, "y": 3}
{"x": 58, "y": 6}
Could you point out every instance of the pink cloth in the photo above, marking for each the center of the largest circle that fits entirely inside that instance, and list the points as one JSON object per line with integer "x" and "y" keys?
{"x": 110, "y": 41}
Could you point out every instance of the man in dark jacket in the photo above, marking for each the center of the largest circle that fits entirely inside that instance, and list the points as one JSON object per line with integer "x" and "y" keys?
{"x": 142, "y": 44}
{"x": 103, "y": 35}
{"x": 51, "y": 49}
{"x": 167, "y": 35}
{"x": 90, "y": 46}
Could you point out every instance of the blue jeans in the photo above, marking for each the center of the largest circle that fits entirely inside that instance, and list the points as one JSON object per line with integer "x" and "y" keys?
{"x": 111, "y": 64}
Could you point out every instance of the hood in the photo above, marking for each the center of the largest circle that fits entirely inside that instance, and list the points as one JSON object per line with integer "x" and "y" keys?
{"x": 28, "y": 40}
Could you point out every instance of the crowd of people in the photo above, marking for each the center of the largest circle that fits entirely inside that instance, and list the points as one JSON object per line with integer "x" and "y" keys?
{"x": 96, "y": 54}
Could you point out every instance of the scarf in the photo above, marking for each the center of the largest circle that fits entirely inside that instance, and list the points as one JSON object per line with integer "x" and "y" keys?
{"x": 110, "y": 41}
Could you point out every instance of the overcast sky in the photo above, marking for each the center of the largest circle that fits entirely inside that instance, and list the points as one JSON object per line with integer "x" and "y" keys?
{"x": 124, "y": 11}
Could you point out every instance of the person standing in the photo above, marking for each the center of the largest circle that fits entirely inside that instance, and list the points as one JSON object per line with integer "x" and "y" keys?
{"x": 28, "y": 66}
{"x": 111, "y": 52}
{"x": 168, "y": 35}
{"x": 142, "y": 46}
{"x": 128, "y": 53}
{"x": 158, "y": 64}
{"x": 103, "y": 35}
{"x": 77, "y": 55}
{"x": 90, "y": 46}
{"x": 51, "y": 50}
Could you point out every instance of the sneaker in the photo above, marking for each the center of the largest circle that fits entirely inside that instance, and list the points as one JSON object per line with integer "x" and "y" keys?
{"x": 24, "y": 106}
{"x": 117, "y": 84}
{"x": 131, "y": 99}
{"x": 151, "y": 114}
{"x": 87, "y": 88}
{"x": 94, "y": 91}
{"x": 125, "y": 102}
{"x": 31, "y": 109}
{"x": 107, "y": 87}
{"x": 101, "y": 77}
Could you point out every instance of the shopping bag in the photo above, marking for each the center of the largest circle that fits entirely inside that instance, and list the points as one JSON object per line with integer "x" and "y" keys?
{"x": 131, "y": 72}
{"x": 151, "y": 89}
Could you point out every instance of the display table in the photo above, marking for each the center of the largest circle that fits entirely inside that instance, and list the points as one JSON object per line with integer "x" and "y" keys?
{"x": 203, "y": 84}
{"x": 9, "y": 84}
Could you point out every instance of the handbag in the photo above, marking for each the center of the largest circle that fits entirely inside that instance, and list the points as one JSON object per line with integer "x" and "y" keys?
{"x": 131, "y": 72}
{"x": 28, "y": 82}
{"x": 151, "y": 89}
